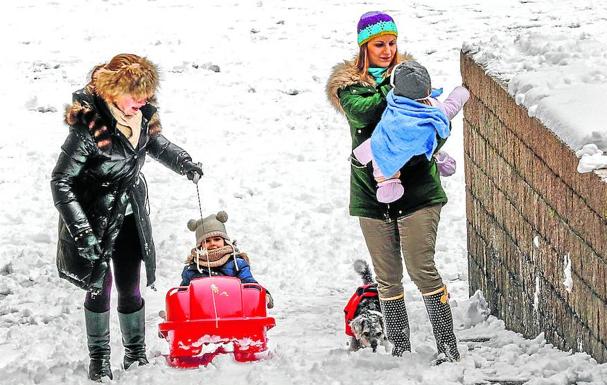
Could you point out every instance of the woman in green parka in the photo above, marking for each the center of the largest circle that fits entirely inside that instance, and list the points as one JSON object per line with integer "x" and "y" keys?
{"x": 409, "y": 225}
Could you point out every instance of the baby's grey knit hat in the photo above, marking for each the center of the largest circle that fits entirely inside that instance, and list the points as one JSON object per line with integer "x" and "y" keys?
{"x": 411, "y": 80}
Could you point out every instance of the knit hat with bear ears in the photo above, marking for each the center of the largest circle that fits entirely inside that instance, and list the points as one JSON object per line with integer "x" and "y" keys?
{"x": 211, "y": 226}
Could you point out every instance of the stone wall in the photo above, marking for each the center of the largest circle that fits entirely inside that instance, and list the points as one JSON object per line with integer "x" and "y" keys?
{"x": 537, "y": 229}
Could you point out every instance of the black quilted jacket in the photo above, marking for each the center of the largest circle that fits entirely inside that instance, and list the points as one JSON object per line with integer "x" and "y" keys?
{"x": 92, "y": 188}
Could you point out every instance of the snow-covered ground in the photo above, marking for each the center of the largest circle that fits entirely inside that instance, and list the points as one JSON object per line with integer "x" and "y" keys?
{"x": 275, "y": 157}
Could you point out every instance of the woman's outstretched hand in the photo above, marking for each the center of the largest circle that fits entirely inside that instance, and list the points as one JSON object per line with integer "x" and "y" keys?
{"x": 192, "y": 170}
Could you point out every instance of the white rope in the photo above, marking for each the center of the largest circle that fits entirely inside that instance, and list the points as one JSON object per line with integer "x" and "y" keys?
{"x": 233, "y": 254}
{"x": 204, "y": 250}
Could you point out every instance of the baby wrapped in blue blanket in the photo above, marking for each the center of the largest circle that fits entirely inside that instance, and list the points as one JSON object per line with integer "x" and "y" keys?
{"x": 411, "y": 125}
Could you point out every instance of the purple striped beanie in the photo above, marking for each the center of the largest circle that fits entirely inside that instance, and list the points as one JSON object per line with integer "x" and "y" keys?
{"x": 373, "y": 24}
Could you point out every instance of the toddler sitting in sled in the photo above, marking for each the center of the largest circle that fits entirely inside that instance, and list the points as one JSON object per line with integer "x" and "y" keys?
{"x": 216, "y": 254}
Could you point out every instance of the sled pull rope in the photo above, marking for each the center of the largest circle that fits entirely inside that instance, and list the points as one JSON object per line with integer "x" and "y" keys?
{"x": 199, "y": 252}
{"x": 208, "y": 262}
{"x": 233, "y": 255}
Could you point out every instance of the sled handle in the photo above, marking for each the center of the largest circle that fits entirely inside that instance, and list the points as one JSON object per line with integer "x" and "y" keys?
{"x": 253, "y": 286}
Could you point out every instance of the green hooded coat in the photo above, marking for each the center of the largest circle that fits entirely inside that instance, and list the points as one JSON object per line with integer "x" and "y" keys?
{"x": 362, "y": 103}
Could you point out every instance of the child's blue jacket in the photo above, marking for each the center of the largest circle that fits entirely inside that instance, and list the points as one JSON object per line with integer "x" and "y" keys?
{"x": 227, "y": 269}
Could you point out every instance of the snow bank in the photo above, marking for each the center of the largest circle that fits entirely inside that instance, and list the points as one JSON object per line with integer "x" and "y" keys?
{"x": 561, "y": 78}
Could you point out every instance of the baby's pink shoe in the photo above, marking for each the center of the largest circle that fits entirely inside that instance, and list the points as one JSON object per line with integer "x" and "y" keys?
{"x": 446, "y": 164}
{"x": 389, "y": 190}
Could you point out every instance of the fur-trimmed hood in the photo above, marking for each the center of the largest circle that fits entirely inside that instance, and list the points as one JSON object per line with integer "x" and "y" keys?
{"x": 87, "y": 107}
{"x": 346, "y": 74}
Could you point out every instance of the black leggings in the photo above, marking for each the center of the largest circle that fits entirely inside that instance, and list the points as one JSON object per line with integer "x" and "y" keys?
{"x": 126, "y": 259}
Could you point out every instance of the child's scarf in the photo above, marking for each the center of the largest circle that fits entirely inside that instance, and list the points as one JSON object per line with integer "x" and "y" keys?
{"x": 215, "y": 257}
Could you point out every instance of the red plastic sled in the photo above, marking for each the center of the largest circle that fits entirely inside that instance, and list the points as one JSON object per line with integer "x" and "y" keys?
{"x": 212, "y": 316}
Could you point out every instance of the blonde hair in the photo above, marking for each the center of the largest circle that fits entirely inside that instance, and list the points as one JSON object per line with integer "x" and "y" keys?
{"x": 125, "y": 74}
{"x": 362, "y": 63}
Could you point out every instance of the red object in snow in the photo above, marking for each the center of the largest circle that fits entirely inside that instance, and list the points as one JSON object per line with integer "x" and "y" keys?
{"x": 215, "y": 311}
{"x": 363, "y": 291}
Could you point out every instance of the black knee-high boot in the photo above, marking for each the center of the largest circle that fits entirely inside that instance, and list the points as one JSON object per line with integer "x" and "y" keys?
{"x": 397, "y": 325}
{"x": 132, "y": 326}
{"x": 98, "y": 339}
{"x": 439, "y": 311}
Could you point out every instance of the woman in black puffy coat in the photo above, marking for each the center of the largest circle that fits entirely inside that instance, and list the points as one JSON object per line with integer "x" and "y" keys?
{"x": 101, "y": 196}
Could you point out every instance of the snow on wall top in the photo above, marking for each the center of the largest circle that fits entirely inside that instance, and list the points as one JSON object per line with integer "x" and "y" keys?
{"x": 561, "y": 78}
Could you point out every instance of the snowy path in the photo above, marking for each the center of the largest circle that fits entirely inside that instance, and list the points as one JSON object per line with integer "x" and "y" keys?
{"x": 275, "y": 159}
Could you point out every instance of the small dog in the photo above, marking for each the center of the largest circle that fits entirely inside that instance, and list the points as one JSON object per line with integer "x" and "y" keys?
{"x": 363, "y": 313}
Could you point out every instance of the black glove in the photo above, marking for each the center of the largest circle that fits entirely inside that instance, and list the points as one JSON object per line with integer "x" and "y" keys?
{"x": 192, "y": 170}
{"x": 100, "y": 269}
{"x": 269, "y": 300}
{"x": 88, "y": 245}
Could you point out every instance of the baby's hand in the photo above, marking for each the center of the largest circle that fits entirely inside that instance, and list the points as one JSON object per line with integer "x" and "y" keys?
{"x": 446, "y": 164}
{"x": 455, "y": 101}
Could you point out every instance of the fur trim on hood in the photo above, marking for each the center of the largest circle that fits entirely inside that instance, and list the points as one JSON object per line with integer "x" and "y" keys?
{"x": 346, "y": 74}
{"x": 83, "y": 113}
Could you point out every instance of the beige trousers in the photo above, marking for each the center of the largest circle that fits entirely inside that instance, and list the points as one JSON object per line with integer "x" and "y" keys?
{"x": 415, "y": 236}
